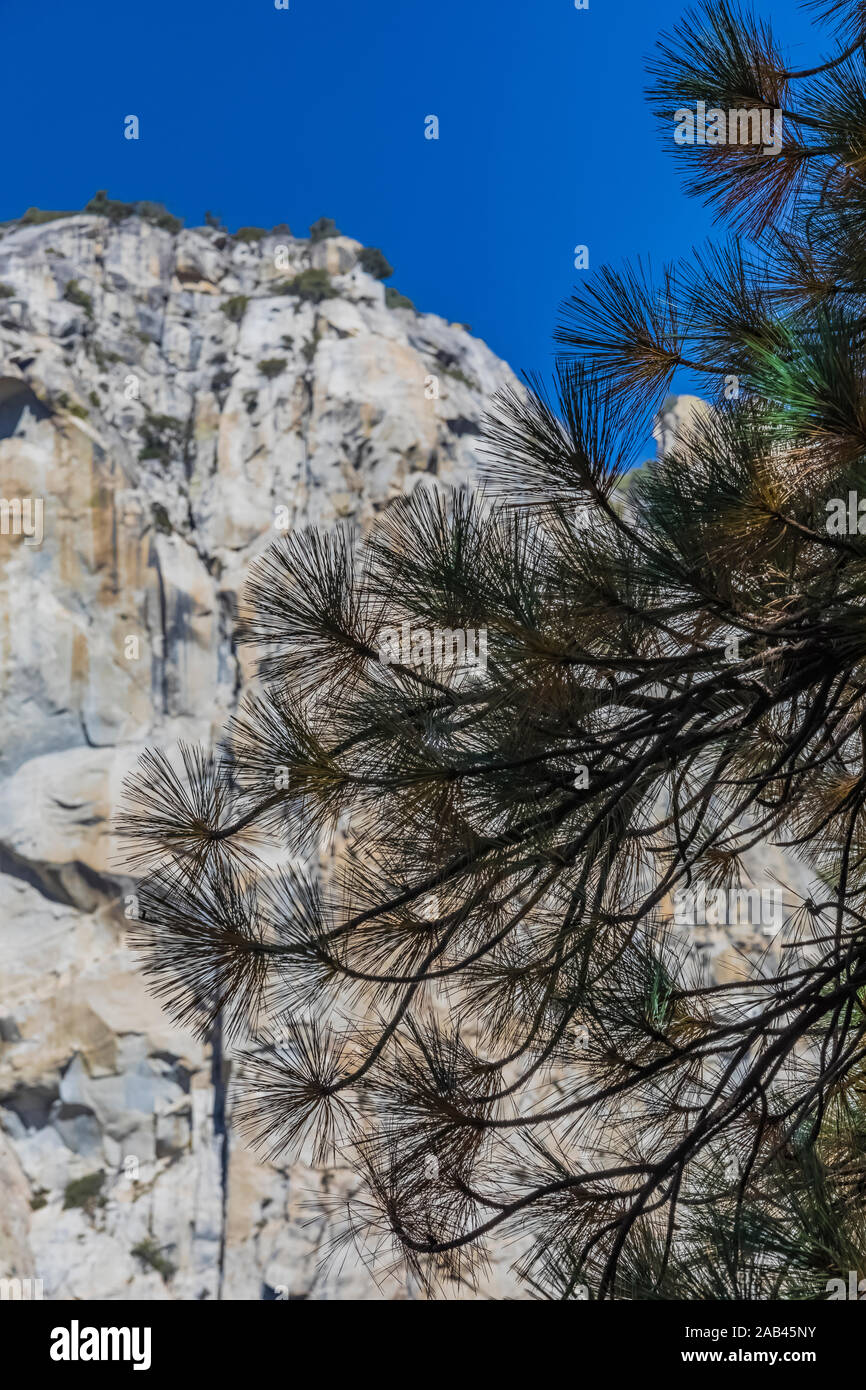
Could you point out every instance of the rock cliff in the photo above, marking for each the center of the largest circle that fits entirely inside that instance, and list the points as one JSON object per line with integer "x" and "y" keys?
{"x": 169, "y": 399}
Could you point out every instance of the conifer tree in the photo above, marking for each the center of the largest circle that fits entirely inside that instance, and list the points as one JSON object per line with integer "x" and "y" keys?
{"x": 538, "y": 712}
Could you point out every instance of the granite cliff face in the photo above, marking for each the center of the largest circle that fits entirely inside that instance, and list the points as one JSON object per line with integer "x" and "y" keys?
{"x": 167, "y": 401}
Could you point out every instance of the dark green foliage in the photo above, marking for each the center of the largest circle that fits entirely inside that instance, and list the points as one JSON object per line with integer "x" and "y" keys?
{"x": 158, "y": 216}
{"x": 6, "y": 291}
{"x": 163, "y": 438}
{"x": 65, "y": 402}
{"x": 76, "y": 295}
{"x": 372, "y": 260}
{"x": 103, "y": 206}
{"x": 395, "y": 300}
{"x": 152, "y": 1258}
{"x": 250, "y": 234}
{"x": 85, "y": 1192}
{"x": 236, "y": 307}
{"x": 34, "y": 217}
{"x": 310, "y": 285}
{"x": 161, "y": 519}
{"x": 322, "y": 229}
{"x": 116, "y": 211}
{"x": 165, "y": 423}
{"x": 272, "y": 366}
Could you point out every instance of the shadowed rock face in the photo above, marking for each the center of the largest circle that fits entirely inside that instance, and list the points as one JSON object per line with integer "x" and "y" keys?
{"x": 17, "y": 401}
{"x": 133, "y": 407}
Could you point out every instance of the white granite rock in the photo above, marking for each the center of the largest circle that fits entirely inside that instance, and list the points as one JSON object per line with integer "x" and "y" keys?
{"x": 133, "y": 407}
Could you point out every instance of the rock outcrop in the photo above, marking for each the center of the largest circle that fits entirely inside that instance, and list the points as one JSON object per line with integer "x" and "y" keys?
{"x": 168, "y": 399}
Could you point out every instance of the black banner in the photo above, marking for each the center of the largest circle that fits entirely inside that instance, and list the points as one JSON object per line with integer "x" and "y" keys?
{"x": 80, "y": 1339}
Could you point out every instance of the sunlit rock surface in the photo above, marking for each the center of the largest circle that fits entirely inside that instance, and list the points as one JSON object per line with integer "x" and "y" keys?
{"x": 133, "y": 407}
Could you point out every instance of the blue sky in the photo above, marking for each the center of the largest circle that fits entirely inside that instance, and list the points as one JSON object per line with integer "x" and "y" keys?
{"x": 267, "y": 116}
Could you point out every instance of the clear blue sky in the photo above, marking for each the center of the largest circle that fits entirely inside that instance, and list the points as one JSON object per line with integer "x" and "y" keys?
{"x": 267, "y": 116}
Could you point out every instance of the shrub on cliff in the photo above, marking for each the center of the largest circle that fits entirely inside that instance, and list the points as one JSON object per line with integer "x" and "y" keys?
{"x": 372, "y": 260}
{"x": 311, "y": 285}
{"x": 322, "y": 229}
